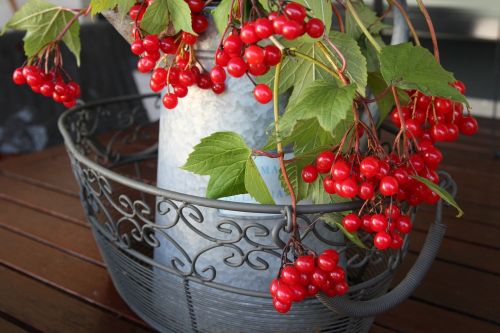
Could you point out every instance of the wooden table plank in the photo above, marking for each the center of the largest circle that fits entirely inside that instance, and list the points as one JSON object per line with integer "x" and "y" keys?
{"x": 8, "y": 327}
{"x": 42, "y": 199}
{"x": 68, "y": 237}
{"x": 50, "y": 310}
{"x": 417, "y": 317}
{"x": 63, "y": 271}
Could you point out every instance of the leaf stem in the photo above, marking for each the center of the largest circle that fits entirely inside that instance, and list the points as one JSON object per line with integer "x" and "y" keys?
{"x": 328, "y": 56}
{"x": 365, "y": 31}
{"x": 428, "y": 19}
{"x": 339, "y": 17}
{"x": 84, "y": 12}
{"x": 295, "y": 53}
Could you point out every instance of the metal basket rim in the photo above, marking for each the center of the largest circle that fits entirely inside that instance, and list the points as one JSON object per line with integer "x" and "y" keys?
{"x": 183, "y": 197}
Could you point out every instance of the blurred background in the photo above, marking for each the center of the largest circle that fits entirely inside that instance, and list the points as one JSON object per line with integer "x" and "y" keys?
{"x": 469, "y": 33}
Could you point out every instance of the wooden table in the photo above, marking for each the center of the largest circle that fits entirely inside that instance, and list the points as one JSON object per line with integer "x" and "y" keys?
{"x": 52, "y": 277}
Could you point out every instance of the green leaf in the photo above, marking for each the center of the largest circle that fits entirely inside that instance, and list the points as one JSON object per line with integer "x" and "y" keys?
{"x": 43, "y": 22}
{"x": 443, "y": 194}
{"x": 222, "y": 156}
{"x": 265, "y": 4}
{"x": 323, "y": 100}
{"x": 377, "y": 85}
{"x": 164, "y": 12}
{"x": 370, "y": 53}
{"x": 255, "y": 185}
{"x": 368, "y": 17}
{"x": 99, "y": 6}
{"x": 356, "y": 63}
{"x": 297, "y": 72}
{"x": 413, "y": 67}
{"x": 333, "y": 220}
{"x": 221, "y": 15}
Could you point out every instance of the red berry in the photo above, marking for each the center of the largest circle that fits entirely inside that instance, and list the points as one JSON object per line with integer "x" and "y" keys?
{"x": 312, "y": 290}
{"x": 18, "y": 77}
{"x": 337, "y": 275}
{"x": 204, "y": 81}
{"x": 33, "y": 79}
{"x": 187, "y": 77}
{"x": 156, "y": 86}
{"x": 366, "y": 190}
{"x": 236, "y": 67}
{"x": 382, "y": 240}
{"x": 292, "y": 30}
{"x": 233, "y": 44}
{"x": 309, "y": 173}
{"x": 394, "y": 116}
{"x": 403, "y": 224}
{"x": 299, "y": 292}
{"x": 295, "y": 11}
{"x": 254, "y": 54}
{"x": 136, "y": 47}
{"x": 350, "y": 188}
{"x": 145, "y": 64}
{"x": 170, "y": 100}
{"x": 324, "y": 161}
{"x": 70, "y": 103}
{"x": 281, "y": 307}
{"x": 284, "y": 293}
{"x": 218, "y": 74}
{"x": 159, "y": 75}
{"x": 73, "y": 89}
{"x": 460, "y": 86}
{"x": 248, "y": 34}
{"x": 378, "y": 222}
{"x": 366, "y": 223}
{"x": 222, "y": 58}
{"x": 413, "y": 127}
{"x": 278, "y": 24}
{"x": 315, "y": 28}
{"x": 443, "y": 105}
{"x": 468, "y": 125}
{"x": 423, "y": 102}
{"x": 196, "y": 6}
{"x": 305, "y": 264}
{"x": 329, "y": 185}
{"x": 351, "y": 222}
{"x": 273, "y": 287}
{"x": 290, "y": 275}
{"x": 199, "y": 23}
{"x": 188, "y": 38}
{"x": 263, "y": 28}
{"x": 262, "y": 93}
{"x": 452, "y": 133}
{"x": 432, "y": 158}
{"x": 392, "y": 212}
{"x": 258, "y": 69}
{"x": 340, "y": 170}
{"x": 397, "y": 241}
{"x": 388, "y": 186}
{"x": 47, "y": 89}
{"x": 369, "y": 167}
{"x": 319, "y": 277}
{"x": 326, "y": 262}
{"x": 272, "y": 55}
{"x": 151, "y": 43}
{"x": 218, "y": 88}
{"x": 180, "y": 91}
{"x": 342, "y": 288}
{"x": 61, "y": 88}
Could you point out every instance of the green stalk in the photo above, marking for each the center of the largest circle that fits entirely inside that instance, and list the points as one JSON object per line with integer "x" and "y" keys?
{"x": 365, "y": 31}
{"x": 298, "y": 54}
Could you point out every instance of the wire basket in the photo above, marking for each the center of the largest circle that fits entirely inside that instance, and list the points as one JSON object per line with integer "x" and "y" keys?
{"x": 113, "y": 152}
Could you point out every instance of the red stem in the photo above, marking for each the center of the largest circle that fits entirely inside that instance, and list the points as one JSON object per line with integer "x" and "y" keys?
{"x": 339, "y": 17}
{"x": 428, "y": 19}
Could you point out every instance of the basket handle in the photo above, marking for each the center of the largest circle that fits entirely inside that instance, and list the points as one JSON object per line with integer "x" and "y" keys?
{"x": 407, "y": 286}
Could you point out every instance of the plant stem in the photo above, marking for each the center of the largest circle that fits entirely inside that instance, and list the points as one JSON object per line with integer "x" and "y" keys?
{"x": 298, "y": 54}
{"x": 339, "y": 17}
{"x": 431, "y": 28}
{"x": 407, "y": 19}
{"x": 328, "y": 56}
{"x": 279, "y": 146}
{"x": 365, "y": 31}
{"x": 71, "y": 21}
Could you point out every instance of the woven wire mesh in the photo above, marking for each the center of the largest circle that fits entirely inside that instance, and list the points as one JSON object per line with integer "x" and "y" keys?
{"x": 189, "y": 293}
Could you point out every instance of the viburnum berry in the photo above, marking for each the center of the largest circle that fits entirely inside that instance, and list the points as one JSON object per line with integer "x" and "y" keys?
{"x": 295, "y": 11}
{"x": 180, "y": 91}
{"x": 382, "y": 240}
{"x": 309, "y": 173}
{"x": 263, "y": 94}
{"x": 218, "y": 88}
{"x": 460, "y": 86}
{"x": 218, "y": 74}
{"x": 278, "y": 24}
{"x": 196, "y": 6}
{"x": 324, "y": 161}
{"x": 145, "y": 64}
{"x": 188, "y": 38}
{"x": 315, "y": 28}
{"x": 403, "y": 224}
{"x": 290, "y": 275}
{"x": 151, "y": 43}
{"x": 248, "y": 34}
{"x": 254, "y": 54}
{"x": 199, "y": 23}
{"x": 136, "y": 47}
{"x": 340, "y": 170}
{"x": 305, "y": 264}
{"x": 329, "y": 185}
{"x": 292, "y": 30}
{"x": 272, "y": 55}
{"x": 222, "y": 58}
{"x": 170, "y": 100}
{"x": 369, "y": 167}
{"x": 236, "y": 67}
{"x": 263, "y": 28}
{"x": 378, "y": 222}
{"x": 468, "y": 125}
{"x": 258, "y": 69}
{"x": 233, "y": 44}
{"x": 388, "y": 186}
{"x": 351, "y": 222}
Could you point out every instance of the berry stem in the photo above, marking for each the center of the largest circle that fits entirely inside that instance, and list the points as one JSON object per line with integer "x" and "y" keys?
{"x": 279, "y": 146}
{"x": 365, "y": 31}
{"x": 328, "y": 56}
{"x": 84, "y": 12}
{"x": 339, "y": 17}
{"x": 424, "y": 11}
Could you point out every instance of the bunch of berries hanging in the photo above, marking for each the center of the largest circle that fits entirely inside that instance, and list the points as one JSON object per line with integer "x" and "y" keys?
{"x": 45, "y": 75}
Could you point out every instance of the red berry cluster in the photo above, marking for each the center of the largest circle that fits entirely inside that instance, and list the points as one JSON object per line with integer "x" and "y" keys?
{"x": 182, "y": 72}
{"x": 240, "y": 53}
{"x": 432, "y": 119}
{"x": 307, "y": 276}
{"x": 49, "y": 84}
